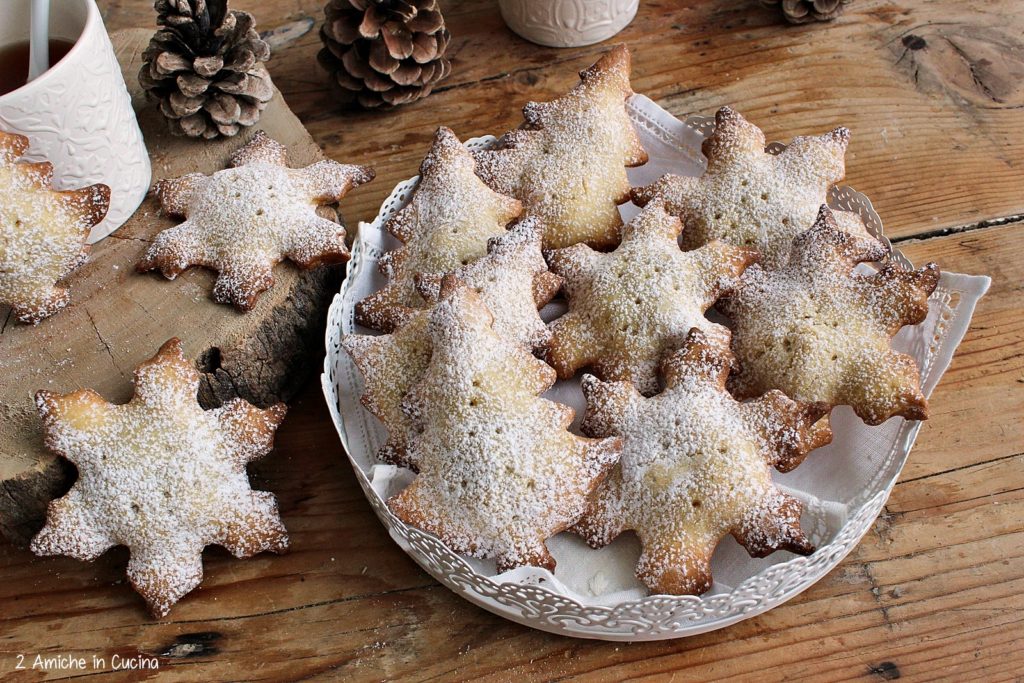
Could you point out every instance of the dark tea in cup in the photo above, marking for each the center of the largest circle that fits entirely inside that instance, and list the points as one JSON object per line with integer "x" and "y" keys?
{"x": 14, "y": 62}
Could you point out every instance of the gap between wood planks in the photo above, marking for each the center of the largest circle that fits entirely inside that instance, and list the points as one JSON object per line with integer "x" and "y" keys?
{"x": 957, "y": 229}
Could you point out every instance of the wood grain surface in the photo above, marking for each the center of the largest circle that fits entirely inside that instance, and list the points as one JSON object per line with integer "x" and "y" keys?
{"x": 934, "y": 93}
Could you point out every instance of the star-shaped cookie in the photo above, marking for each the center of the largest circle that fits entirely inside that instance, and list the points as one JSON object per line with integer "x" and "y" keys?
{"x": 445, "y": 225}
{"x": 696, "y": 466}
{"x": 751, "y": 198}
{"x": 161, "y": 476}
{"x": 513, "y": 281}
{"x": 629, "y": 306}
{"x": 244, "y": 220}
{"x": 499, "y": 471}
{"x": 42, "y": 232}
{"x": 390, "y": 364}
{"x": 568, "y": 162}
{"x": 820, "y": 331}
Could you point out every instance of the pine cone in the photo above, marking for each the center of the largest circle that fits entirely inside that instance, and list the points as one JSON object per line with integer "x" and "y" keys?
{"x": 384, "y": 52}
{"x": 205, "y": 68}
{"x": 803, "y": 11}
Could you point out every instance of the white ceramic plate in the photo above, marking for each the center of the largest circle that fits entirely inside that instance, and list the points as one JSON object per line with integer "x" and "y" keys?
{"x": 593, "y": 593}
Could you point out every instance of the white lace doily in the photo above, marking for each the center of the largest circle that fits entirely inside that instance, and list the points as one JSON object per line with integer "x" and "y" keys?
{"x": 593, "y": 593}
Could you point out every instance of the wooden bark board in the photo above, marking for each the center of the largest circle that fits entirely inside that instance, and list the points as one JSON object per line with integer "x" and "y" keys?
{"x": 118, "y": 317}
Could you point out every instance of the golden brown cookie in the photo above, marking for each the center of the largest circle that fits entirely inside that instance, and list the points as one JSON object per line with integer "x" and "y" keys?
{"x": 161, "y": 476}
{"x": 751, "y": 198}
{"x": 445, "y": 225}
{"x": 390, "y": 365}
{"x": 821, "y": 332}
{"x": 696, "y": 466}
{"x": 568, "y": 162}
{"x": 42, "y": 232}
{"x": 629, "y": 306}
{"x": 499, "y": 471}
{"x": 244, "y": 220}
{"x": 513, "y": 281}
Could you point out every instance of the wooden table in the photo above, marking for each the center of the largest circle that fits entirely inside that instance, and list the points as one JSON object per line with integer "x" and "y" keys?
{"x": 934, "y": 94}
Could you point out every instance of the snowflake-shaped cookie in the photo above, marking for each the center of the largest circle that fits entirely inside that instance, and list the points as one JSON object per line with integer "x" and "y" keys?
{"x": 161, "y": 476}
{"x": 445, "y": 225}
{"x": 568, "y": 163}
{"x": 696, "y": 466}
{"x": 629, "y": 306}
{"x": 820, "y": 331}
{"x": 244, "y": 220}
{"x": 42, "y": 232}
{"x": 752, "y": 198}
{"x": 499, "y": 471}
{"x": 513, "y": 281}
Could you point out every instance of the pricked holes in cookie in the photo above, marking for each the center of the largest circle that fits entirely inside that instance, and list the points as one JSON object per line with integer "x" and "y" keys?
{"x": 259, "y": 212}
{"x": 764, "y": 196}
{"x": 695, "y": 503}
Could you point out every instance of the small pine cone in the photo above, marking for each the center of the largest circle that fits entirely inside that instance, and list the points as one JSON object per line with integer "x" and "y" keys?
{"x": 804, "y": 11}
{"x": 384, "y": 52}
{"x": 205, "y": 68}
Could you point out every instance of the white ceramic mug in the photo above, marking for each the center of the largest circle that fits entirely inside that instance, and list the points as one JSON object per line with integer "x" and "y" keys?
{"x": 78, "y": 114}
{"x": 567, "y": 23}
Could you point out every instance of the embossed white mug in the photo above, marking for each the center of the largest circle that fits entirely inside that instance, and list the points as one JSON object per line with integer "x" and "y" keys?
{"x": 567, "y": 23}
{"x": 78, "y": 114}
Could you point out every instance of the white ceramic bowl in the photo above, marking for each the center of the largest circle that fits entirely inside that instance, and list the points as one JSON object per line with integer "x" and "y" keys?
{"x": 78, "y": 114}
{"x": 567, "y": 23}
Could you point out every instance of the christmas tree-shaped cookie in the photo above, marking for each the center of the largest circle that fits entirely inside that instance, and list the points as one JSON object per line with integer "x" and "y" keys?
{"x": 445, "y": 225}
{"x": 499, "y": 471}
{"x": 568, "y": 163}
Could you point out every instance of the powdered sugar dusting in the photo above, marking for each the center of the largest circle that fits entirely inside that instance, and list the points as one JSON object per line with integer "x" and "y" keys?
{"x": 446, "y": 224}
{"x": 628, "y": 307}
{"x": 161, "y": 476}
{"x": 752, "y": 198}
{"x": 499, "y": 472}
{"x": 821, "y": 332}
{"x": 391, "y": 364}
{"x": 512, "y": 280}
{"x": 243, "y": 220}
{"x": 42, "y": 232}
{"x": 695, "y": 466}
{"x": 567, "y": 164}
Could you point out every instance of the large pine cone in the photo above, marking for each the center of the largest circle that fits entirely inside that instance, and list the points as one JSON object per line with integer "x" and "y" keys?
{"x": 205, "y": 68}
{"x": 384, "y": 52}
{"x": 803, "y": 11}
